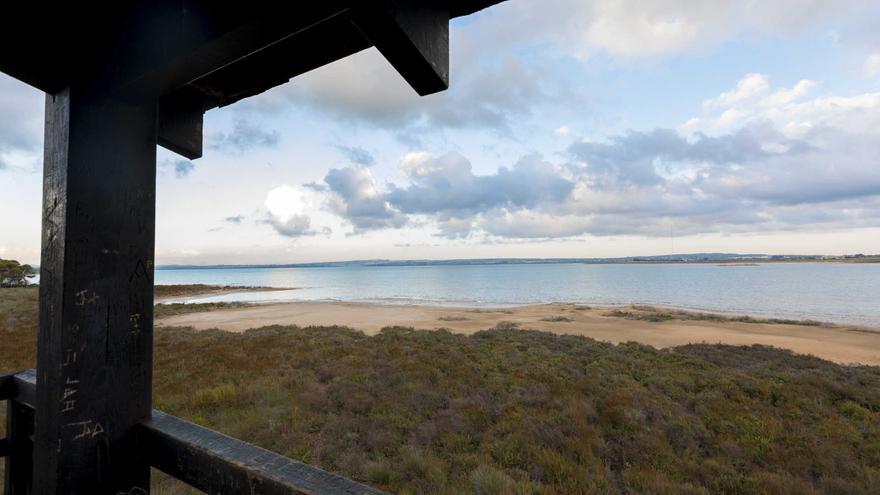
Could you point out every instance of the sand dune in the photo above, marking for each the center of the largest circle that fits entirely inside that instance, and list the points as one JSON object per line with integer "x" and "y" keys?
{"x": 839, "y": 344}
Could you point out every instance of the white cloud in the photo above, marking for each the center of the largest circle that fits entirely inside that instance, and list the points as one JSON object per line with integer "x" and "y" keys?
{"x": 562, "y": 131}
{"x": 753, "y": 102}
{"x": 633, "y": 28}
{"x": 291, "y": 210}
{"x": 872, "y": 65}
{"x": 762, "y": 159}
{"x": 749, "y": 87}
{"x": 786, "y": 96}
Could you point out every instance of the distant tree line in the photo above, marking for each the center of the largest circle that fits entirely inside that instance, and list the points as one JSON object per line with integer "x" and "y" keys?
{"x": 14, "y": 274}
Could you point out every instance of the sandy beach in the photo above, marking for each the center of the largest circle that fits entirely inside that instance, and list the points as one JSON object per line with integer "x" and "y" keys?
{"x": 835, "y": 343}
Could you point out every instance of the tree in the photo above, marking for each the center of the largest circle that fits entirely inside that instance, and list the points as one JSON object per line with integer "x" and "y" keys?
{"x": 14, "y": 274}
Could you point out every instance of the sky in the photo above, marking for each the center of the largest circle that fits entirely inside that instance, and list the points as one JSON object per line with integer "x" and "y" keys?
{"x": 571, "y": 128}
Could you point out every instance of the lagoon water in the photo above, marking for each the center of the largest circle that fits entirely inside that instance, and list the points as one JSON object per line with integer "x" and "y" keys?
{"x": 832, "y": 292}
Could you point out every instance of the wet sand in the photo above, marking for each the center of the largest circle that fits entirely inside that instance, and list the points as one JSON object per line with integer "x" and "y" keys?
{"x": 846, "y": 345}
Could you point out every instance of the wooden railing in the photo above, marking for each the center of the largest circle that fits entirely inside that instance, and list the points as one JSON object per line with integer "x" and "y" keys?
{"x": 203, "y": 458}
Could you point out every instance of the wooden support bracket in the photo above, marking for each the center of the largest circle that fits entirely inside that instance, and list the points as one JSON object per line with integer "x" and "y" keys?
{"x": 180, "y": 123}
{"x": 414, "y": 36}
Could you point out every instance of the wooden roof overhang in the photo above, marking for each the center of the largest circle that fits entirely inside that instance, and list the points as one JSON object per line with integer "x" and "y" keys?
{"x": 202, "y": 54}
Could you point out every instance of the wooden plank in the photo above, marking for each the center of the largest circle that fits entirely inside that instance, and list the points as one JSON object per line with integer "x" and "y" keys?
{"x": 19, "y": 461}
{"x": 171, "y": 42}
{"x": 458, "y": 8}
{"x": 180, "y": 111}
{"x": 26, "y": 387}
{"x": 278, "y": 63}
{"x": 94, "y": 357}
{"x": 7, "y": 385}
{"x": 414, "y": 36}
{"x": 17, "y": 447}
{"x": 216, "y": 463}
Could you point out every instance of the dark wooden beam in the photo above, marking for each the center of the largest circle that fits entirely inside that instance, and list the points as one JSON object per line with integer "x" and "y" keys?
{"x": 7, "y": 385}
{"x": 414, "y": 36}
{"x": 19, "y": 463}
{"x": 172, "y": 42}
{"x": 19, "y": 429}
{"x": 26, "y": 387}
{"x": 17, "y": 448}
{"x": 276, "y": 64}
{"x": 94, "y": 359}
{"x": 216, "y": 463}
{"x": 22, "y": 386}
{"x": 180, "y": 122}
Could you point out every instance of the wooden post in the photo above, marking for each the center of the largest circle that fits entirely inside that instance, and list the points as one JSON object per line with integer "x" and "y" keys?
{"x": 19, "y": 428}
{"x": 94, "y": 362}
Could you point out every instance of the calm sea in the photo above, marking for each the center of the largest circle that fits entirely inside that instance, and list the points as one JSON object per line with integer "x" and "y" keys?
{"x": 832, "y": 292}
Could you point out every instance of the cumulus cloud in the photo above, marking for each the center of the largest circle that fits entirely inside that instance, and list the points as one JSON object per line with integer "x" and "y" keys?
{"x": 633, "y": 28}
{"x": 748, "y": 87}
{"x": 487, "y": 96}
{"x": 644, "y": 158}
{"x": 446, "y": 184}
{"x": 496, "y": 81}
{"x": 788, "y": 109}
{"x": 356, "y": 198}
{"x": 289, "y": 210}
{"x": 356, "y": 154}
{"x": 788, "y": 162}
{"x": 244, "y": 136}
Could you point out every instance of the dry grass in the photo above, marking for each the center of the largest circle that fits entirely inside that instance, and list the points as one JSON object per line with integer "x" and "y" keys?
{"x": 199, "y": 289}
{"x": 557, "y": 319}
{"x": 174, "y": 309}
{"x": 514, "y": 411}
{"x": 651, "y": 313}
{"x": 453, "y": 318}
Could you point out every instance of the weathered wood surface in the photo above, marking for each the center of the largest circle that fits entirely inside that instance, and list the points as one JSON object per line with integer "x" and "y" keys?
{"x": 23, "y": 386}
{"x": 413, "y": 36}
{"x": 7, "y": 385}
{"x": 199, "y": 54}
{"x": 19, "y": 465}
{"x": 95, "y": 340}
{"x": 19, "y": 429}
{"x": 47, "y": 40}
{"x": 216, "y": 463}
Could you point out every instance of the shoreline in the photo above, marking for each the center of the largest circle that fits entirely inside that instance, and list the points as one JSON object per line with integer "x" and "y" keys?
{"x": 843, "y": 344}
{"x": 174, "y": 293}
{"x": 206, "y": 298}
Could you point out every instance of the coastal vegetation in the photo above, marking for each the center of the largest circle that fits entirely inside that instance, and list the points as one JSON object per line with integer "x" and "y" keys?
{"x": 184, "y": 290}
{"x": 651, "y": 313}
{"x": 14, "y": 274}
{"x": 509, "y": 410}
{"x": 174, "y": 309}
